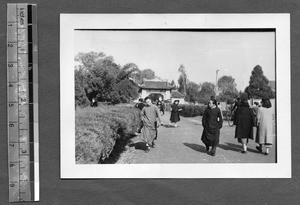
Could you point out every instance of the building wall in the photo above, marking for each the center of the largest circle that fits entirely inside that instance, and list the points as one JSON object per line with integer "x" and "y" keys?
{"x": 166, "y": 94}
{"x": 144, "y": 94}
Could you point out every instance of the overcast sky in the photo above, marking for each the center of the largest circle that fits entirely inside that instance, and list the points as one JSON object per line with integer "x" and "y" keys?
{"x": 202, "y": 53}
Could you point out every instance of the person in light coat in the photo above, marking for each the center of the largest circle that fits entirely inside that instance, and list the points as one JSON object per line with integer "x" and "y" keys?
{"x": 265, "y": 126}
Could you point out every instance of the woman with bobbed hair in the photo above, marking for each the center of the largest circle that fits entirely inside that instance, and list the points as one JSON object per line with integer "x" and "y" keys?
{"x": 244, "y": 121}
{"x": 265, "y": 126}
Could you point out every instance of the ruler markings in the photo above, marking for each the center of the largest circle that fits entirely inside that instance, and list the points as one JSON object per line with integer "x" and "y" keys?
{"x": 22, "y": 102}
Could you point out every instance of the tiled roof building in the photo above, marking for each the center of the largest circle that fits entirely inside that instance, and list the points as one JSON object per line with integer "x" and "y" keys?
{"x": 156, "y": 86}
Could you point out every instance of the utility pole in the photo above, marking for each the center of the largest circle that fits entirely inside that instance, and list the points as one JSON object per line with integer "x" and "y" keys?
{"x": 217, "y": 81}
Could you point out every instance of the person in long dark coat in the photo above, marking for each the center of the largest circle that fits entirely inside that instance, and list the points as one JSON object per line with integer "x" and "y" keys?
{"x": 212, "y": 123}
{"x": 175, "y": 118}
{"x": 244, "y": 121}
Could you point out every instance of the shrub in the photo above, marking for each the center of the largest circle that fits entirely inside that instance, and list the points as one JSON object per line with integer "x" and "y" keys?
{"x": 97, "y": 130}
{"x": 192, "y": 110}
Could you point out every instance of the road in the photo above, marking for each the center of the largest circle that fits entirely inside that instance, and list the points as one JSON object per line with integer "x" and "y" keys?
{"x": 183, "y": 145}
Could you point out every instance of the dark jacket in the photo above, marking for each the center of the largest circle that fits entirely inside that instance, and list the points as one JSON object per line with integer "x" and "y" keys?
{"x": 244, "y": 121}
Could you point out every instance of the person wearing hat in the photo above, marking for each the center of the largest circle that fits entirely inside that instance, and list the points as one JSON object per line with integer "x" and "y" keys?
{"x": 175, "y": 113}
{"x": 244, "y": 121}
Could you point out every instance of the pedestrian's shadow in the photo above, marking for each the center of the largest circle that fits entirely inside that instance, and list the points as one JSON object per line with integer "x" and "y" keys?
{"x": 167, "y": 126}
{"x": 235, "y": 147}
{"x": 139, "y": 145}
{"x": 196, "y": 147}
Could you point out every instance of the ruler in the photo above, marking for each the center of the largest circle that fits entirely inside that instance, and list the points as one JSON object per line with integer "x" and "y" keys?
{"x": 22, "y": 105}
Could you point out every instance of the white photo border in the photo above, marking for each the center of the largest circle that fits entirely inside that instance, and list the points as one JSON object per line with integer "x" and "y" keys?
{"x": 279, "y": 22}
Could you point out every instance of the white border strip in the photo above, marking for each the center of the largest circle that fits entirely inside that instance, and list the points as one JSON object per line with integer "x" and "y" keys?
{"x": 70, "y": 22}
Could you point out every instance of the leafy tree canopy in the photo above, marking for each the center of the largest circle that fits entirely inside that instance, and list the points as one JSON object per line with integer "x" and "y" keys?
{"x": 147, "y": 74}
{"x": 98, "y": 76}
{"x": 227, "y": 88}
{"x": 192, "y": 92}
{"x": 258, "y": 85}
{"x": 207, "y": 90}
{"x": 172, "y": 83}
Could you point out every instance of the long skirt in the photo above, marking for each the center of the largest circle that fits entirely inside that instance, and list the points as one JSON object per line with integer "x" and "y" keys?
{"x": 148, "y": 133}
{"x": 174, "y": 117}
{"x": 210, "y": 137}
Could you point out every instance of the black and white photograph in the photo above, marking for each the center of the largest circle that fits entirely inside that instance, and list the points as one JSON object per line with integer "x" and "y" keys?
{"x": 174, "y": 96}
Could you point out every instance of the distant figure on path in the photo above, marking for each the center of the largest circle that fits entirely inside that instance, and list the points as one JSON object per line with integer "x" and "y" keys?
{"x": 161, "y": 106}
{"x": 212, "y": 122}
{"x": 94, "y": 102}
{"x": 265, "y": 126}
{"x": 175, "y": 113}
{"x": 150, "y": 114}
{"x": 244, "y": 121}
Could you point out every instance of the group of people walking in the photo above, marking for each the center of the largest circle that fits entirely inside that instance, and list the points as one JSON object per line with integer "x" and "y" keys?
{"x": 251, "y": 123}
{"x": 255, "y": 123}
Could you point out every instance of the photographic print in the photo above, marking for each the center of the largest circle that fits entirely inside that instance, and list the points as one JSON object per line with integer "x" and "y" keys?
{"x": 175, "y": 96}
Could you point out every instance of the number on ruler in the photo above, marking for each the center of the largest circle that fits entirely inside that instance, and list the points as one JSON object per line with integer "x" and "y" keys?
{"x": 10, "y": 65}
{"x": 12, "y": 185}
{"x": 23, "y": 100}
{"x": 11, "y": 125}
{"x": 10, "y": 105}
{"x": 10, "y": 45}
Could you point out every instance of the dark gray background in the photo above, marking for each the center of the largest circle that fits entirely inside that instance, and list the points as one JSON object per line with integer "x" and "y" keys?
{"x": 140, "y": 191}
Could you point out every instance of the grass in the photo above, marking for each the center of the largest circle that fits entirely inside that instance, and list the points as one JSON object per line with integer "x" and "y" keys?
{"x": 98, "y": 131}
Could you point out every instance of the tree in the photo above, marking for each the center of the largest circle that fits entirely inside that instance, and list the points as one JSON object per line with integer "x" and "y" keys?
{"x": 133, "y": 72}
{"x": 98, "y": 76}
{"x": 124, "y": 92}
{"x": 258, "y": 85}
{"x": 227, "y": 88}
{"x": 147, "y": 74}
{"x": 172, "y": 83}
{"x": 88, "y": 60}
{"x": 207, "y": 90}
{"x": 80, "y": 85}
{"x": 182, "y": 81}
{"x": 192, "y": 92}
